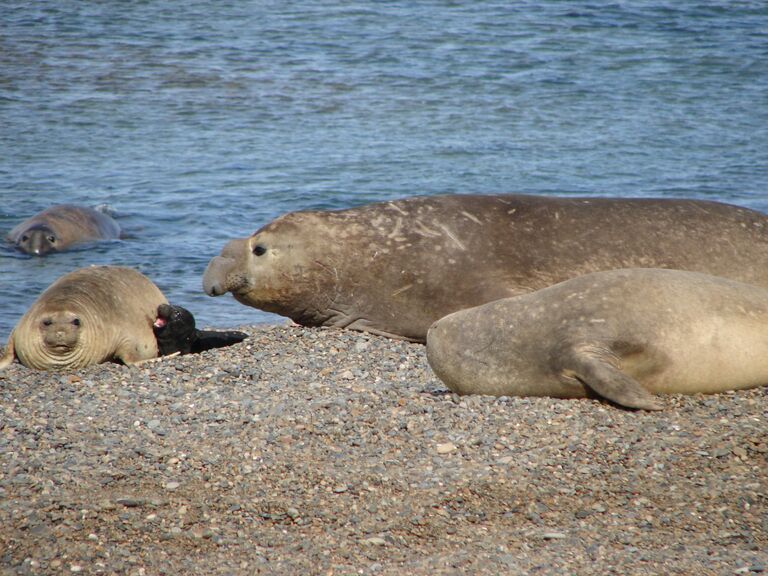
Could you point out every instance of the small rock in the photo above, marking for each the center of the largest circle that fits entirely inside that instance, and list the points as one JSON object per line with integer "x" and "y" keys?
{"x": 445, "y": 448}
{"x": 374, "y": 541}
{"x": 131, "y": 502}
{"x": 172, "y": 486}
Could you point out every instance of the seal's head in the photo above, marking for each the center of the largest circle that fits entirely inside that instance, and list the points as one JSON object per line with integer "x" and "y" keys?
{"x": 276, "y": 267}
{"x": 38, "y": 240}
{"x": 60, "y": 332}
{"x": 174, "y": 329}
{"x": 56, "y": 336}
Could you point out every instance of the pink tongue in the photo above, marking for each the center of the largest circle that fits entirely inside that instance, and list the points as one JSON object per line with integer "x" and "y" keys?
{"x": 160, "y": 322}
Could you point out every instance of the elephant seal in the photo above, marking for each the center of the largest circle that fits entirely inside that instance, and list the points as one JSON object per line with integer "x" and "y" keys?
{"x": 621, "y": 334}
{"x": 393, "y": 268}
{"x": 89, "y": 316}
{"x": 60, "y": 227}
{"x": 175, "y": 331}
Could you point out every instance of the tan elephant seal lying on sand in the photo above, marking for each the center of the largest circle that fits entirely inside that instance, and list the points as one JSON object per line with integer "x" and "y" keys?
{"x": 60, "y": 227}
{"x": 393, "y": 268}
{"x": 88, "y": 316}
{"x": 622, "y": 334}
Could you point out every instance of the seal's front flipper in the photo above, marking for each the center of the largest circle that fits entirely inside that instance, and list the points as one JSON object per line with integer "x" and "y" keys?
{"x": 596, "y": 371}
{"x": 208, "y": 339}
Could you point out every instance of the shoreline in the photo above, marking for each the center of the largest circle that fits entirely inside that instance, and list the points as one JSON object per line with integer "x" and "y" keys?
{"x": 323, "y": 451}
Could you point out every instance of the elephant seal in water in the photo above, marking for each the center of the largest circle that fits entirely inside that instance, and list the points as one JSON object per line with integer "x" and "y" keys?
{"x": 59, "y": 227}
{"x": 393, "y": 268}
{"x": 621, "y": 334}
{"x": 175, "y": 331}
{"x": 88, "y": 316}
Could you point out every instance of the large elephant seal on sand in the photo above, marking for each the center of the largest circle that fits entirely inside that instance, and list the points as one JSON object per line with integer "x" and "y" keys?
{"x": 60, "y": 227}
{"x": 88, "y": 316}
{"x": 620, "y": 334}
{"x": 393, "y": 268}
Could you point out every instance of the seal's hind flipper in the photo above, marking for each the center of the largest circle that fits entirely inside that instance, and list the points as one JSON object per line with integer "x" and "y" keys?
{"x": 9, "y": 354}
{"x": 596, "y": 371}
{"x": 209, "y": 339}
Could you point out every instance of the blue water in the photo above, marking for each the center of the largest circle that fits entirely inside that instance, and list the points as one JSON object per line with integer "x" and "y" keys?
{"x": 197, "y": 122}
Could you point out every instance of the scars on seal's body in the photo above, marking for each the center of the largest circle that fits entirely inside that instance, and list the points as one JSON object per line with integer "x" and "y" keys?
{"x": 394, "y": 268}
{"x": 624, "y": 335}
{"x": 61, "y": 227}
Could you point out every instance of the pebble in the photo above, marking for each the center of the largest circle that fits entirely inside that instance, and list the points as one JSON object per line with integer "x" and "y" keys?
{"x": 131, "y": 502}
{"x": 346, "y": 455}
{"x": 375, "y": 541}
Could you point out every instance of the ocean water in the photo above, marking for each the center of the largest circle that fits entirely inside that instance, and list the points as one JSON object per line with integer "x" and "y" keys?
{"x": 197, "y": 122}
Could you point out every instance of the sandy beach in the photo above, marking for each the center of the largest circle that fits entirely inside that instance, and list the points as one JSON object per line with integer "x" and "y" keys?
{"x": 319, "y": 451}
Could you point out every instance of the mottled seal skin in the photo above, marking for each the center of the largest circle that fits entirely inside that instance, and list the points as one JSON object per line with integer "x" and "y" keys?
{"x": 620, "y": 334}
{"x": 175, "y": 331}
{"x": 393, "y": 268}
{"x": 89, "y": 316}
{"x": 61, "y": 227}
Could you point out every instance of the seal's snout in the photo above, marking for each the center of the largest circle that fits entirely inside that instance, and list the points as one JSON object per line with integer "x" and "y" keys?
{"x": 433, "y": 328}
{"x": 439, "y": 327}
{"x": 214, "y": 278}
{"x": 433, "y": 340}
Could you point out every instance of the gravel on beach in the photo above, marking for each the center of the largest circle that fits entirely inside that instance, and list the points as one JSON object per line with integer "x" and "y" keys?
{"x": 321, "y": 451}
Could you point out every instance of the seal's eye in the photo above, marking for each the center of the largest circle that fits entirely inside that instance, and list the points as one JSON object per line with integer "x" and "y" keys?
{"x": 76, "y": 322}
{"x": 47, "y": 322}
{"x": 52, "y": 239}
{"x": 259, "y": 250}
{"x": 25, "y": 238}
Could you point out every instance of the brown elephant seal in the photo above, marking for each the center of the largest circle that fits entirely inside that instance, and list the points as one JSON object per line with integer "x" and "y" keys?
{"x": 88, "y": 316}
{"x": 60, "y": 227}
{"x": 393, "y": 268}
{"x": 620, "y": 334}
